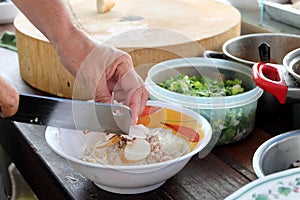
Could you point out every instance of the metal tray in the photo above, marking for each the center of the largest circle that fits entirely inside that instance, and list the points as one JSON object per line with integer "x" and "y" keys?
{"x": 283, "y": 13}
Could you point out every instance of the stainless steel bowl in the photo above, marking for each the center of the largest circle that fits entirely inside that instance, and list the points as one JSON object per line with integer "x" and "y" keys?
{"x": 244, "y": 48}
{"x": 277, "y": 154}
{"x": 292, "y": 63}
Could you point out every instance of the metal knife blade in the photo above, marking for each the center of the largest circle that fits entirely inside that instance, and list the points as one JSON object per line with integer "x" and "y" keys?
{"x": 73, "y": 114}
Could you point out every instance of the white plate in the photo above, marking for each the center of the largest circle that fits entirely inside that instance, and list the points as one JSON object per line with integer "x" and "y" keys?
{"x": 8, "y": 12}
{"x": 283, "y": 185}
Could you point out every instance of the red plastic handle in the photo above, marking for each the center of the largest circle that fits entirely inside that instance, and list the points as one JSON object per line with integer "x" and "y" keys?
{"x": 270, "y": 78}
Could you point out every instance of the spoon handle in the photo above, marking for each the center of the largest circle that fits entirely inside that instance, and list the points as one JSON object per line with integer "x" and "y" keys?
{"x": 264, "y": 52}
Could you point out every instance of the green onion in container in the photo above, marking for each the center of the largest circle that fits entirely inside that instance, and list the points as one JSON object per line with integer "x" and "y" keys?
{"x": 202, "y": 86}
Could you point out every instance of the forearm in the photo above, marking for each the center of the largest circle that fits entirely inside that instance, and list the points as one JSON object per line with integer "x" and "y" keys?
{"x": 55, "y": 20}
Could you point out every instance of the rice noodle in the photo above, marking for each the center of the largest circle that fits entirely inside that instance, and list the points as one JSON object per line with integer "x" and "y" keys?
{"x": 112, "y": 149}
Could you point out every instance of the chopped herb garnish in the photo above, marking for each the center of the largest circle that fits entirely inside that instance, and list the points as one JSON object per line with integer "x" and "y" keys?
{"x": 202, "y": 86}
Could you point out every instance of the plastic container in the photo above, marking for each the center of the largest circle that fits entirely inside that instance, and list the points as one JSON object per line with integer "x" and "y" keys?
{"x": 232, "y": 117}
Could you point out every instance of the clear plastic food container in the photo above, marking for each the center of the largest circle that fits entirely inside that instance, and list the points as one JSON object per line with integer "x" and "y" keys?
{"x": 232, "y": 117}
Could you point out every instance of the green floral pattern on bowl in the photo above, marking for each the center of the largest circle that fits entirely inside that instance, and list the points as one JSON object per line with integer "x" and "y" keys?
{"x": 283, "y": 185}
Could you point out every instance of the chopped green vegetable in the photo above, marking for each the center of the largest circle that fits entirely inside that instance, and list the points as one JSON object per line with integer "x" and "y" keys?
{"x": 202, "y": 86}
{"x": 230, "y": 124}
{"x": 8, "y": 40}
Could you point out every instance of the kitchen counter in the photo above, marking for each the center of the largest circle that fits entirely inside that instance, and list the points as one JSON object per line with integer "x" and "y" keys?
{"x": 223, "y": 171}
{"x": 220, "y": 173}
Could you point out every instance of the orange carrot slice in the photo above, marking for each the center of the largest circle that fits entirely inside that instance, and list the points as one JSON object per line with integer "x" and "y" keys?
{"x": 188, "y": 133}
{"x": 149, "y": 110}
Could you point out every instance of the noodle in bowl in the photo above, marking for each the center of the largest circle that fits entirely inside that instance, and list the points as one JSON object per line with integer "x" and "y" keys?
{"x": 114, "y": 169}
{"x": 159, "y": 145}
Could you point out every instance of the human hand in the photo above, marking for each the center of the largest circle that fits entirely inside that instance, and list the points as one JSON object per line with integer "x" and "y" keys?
{"x": 9, "y": 99}
{"x": 110, "y": 76}
{"x": 103, "y": 70}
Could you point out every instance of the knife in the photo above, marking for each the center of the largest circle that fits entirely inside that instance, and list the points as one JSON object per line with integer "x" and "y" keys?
{"x": 73, "y": 114}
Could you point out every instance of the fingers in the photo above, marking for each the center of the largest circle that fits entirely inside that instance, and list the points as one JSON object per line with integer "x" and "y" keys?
{"x": 101, "y": 62}
{"x": 129, "y": 90}
{"x": 9, "y": 99}
{"x": 109, "y": 74}
{"x": 134, "y": 92}
{"x": 103, "y": 93}
{"x": 138, "y": 102}
{"x": 121, "y": 65}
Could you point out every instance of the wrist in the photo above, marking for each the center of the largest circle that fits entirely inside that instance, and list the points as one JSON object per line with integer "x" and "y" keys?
{"x": 72, "y": 46}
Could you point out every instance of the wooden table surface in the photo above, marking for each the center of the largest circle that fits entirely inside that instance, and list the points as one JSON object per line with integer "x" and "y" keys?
{"x": 224, "y": 170}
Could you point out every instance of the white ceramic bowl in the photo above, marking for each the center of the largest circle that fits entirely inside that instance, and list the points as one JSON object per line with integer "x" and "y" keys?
{"x": 123, "y": 179}
{"x": 8, "y": 11}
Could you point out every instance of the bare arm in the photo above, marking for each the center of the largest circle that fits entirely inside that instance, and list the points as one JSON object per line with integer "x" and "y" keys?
{"x": 104, "y": 70}
{"x": 55, "y": 20}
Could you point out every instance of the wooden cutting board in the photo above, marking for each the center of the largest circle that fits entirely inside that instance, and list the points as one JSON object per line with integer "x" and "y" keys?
{"x": 150, "y": 31}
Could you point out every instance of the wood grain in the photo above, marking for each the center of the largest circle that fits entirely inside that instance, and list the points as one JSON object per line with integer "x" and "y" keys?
{"x": 150, "y": 31}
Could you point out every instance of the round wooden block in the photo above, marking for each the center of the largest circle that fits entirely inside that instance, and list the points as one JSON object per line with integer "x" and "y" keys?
{"x": 150, "y": 31}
